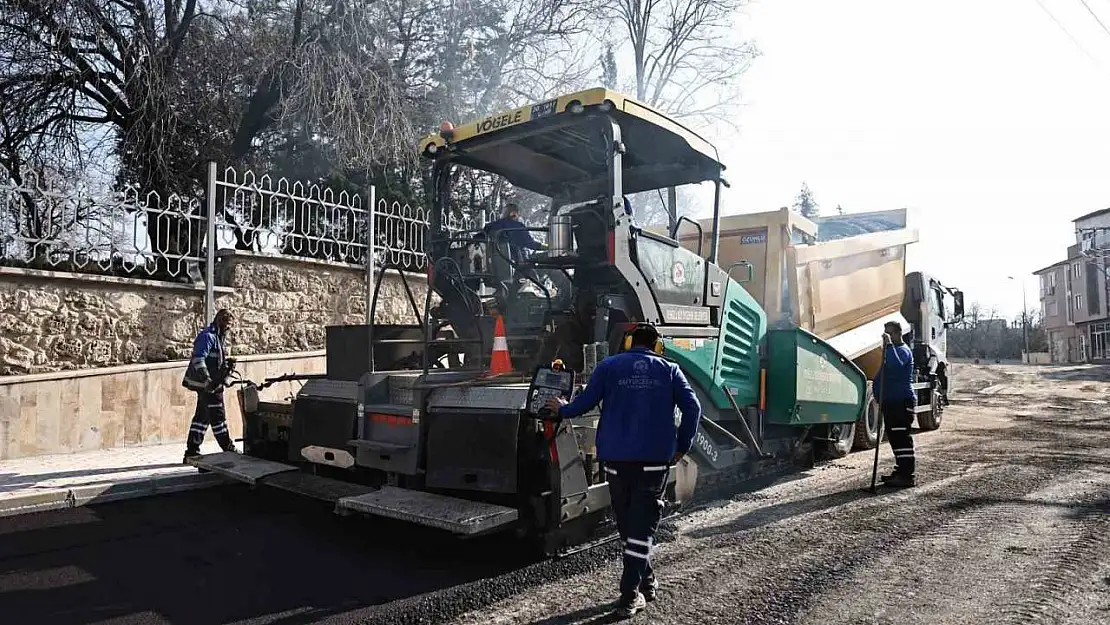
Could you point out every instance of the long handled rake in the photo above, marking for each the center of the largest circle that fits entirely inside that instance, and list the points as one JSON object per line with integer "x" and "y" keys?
{"x": 879, "y": 434}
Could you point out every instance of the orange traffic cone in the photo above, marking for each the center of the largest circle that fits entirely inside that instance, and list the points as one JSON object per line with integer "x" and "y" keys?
{"x": 499, "y": 361}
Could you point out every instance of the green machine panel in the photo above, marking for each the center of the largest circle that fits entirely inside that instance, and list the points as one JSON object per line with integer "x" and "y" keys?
{"x": 732, "y": 358}
{"x": 809, "y": 382}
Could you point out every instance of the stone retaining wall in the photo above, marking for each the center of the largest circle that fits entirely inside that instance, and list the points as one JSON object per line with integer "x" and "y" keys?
{"x": 57, "y": 321}
{"x": 283, "y": 304}
{"x": 53, "y": 321}
{"x": 93, "y": 362}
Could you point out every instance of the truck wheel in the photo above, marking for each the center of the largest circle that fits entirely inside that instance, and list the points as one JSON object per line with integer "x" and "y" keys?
{"x": 931, "y": 420}
{"x": 841, "y": 437}
{"x": 867, "y": 428}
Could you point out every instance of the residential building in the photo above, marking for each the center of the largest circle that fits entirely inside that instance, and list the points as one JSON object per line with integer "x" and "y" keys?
{"x": 1056, "y": 311}
{"x": 1090, "y": 288}
{"x": 1075, "y": 294}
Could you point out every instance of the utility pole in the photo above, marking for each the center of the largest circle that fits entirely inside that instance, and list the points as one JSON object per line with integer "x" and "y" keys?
{"x": 1024, "y": 316}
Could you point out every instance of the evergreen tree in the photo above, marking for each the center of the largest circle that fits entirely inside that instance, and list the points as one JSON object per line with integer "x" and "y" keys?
{"x": 609, "y": 67}
{"x": 805, "y": 204}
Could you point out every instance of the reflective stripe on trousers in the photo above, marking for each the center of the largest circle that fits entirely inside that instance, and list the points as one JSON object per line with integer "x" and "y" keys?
{"x": 899, "y": 419}
{"x": 209, "y": 411}
{"x": 636, "y": 492}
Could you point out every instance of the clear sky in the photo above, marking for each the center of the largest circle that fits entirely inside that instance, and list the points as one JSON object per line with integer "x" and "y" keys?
{"x": 981, "y": 116}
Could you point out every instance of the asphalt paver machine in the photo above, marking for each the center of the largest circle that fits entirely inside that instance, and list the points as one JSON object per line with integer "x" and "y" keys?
{"x": 438, "y": 441}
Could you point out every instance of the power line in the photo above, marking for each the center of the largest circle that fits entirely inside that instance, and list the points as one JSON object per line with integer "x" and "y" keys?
{"x": 1095, "y": 15}
{"x": 1066, "y": 32}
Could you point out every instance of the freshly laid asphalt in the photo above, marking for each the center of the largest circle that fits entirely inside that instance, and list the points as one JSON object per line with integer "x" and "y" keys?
{"x": 226, "y": 555}
{"x": 1009, "y": 525}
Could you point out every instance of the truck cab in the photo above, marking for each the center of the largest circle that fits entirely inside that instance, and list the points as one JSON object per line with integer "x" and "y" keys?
{"x": 931, "y": 308}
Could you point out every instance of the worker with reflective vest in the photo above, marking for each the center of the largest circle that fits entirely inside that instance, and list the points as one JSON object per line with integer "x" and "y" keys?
{"x": 637, "y": 441}
{"x": 206, "y": 375}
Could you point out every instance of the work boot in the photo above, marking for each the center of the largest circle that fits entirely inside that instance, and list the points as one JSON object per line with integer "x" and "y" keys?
{"x": 231, "y": 449}
{"x": 649, "y": 588}
{"x": 901, "y": 480}
{"x": 629, "y": 605}
{"x": 190, "y": 454}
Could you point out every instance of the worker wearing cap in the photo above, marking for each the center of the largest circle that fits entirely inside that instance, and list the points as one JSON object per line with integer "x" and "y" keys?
{"x": 637, "y": 441}
{"x": 897, "y": 400}
{"x": 206, "y": 375}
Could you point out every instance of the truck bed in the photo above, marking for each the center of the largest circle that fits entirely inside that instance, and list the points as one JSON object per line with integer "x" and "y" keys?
{"x": 839, "y": 277}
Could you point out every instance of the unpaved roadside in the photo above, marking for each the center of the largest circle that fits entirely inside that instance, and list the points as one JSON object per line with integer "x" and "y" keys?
{"x": 1010, "y": 524}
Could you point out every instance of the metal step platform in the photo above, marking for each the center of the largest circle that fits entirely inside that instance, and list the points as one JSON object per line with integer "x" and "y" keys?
{"x": 459, "y": 516}
{"x": 318, "y": 487}
{"x": 239, "y": 466}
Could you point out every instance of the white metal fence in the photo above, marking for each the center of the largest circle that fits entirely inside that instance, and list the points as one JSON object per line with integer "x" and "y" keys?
{"x": 49, "y": 222}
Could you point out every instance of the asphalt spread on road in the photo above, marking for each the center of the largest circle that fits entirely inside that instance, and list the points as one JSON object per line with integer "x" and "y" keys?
{"x": 226, "y": 555}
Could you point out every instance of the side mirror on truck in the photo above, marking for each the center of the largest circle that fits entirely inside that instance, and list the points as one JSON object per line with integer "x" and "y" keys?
{"x": 957, "y": 308}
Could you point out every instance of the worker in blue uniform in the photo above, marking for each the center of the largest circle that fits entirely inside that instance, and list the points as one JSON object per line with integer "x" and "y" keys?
{"x": 517, "y": 234}
{"x": 511, "y": 231}
{"x": 638, "y": 440}
{"x": 897, "y": 400}
{"x": 206, "y": 375}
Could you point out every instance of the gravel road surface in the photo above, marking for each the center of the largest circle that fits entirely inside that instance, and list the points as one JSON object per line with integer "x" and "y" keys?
{"x": 1010, "y": 524}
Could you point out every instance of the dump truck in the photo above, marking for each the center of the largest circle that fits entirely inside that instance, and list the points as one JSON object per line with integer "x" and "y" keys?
{"x": 408, "y": 423}
{"x": 843, "y": 277}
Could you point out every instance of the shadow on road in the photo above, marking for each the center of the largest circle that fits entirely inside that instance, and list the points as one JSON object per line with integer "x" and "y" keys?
{"x": 226, "y": 555}
{"x": 594, "y": 615}
{"x": 779, "y": 512}
{"x": 15, "y": 481}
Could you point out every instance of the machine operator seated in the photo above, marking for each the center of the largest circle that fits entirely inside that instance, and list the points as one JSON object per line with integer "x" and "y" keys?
{"x": 517, "y": 236}
{"x": 511, "y": 237}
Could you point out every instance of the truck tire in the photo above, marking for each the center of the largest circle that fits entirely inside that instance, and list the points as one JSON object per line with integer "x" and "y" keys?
{"x": 928, "y": 421}
{"x": 867, "y": 428}
{"x": 841, "y": 438}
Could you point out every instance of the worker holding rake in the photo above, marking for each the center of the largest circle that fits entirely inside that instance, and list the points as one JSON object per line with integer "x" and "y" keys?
{"x": 897, "y": 400}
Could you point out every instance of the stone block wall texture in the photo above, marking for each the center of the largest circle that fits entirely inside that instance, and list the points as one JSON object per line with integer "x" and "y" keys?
{"x": 52, "y": 323}
{"x": 283, "y": 304}
{"x": 56, "y": 321}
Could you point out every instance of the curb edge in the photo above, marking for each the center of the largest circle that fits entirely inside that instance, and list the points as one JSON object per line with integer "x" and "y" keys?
{"x": 94, "y": 494}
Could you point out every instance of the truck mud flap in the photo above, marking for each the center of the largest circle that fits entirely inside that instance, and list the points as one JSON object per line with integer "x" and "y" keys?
{"x": 239, "y": 467}
{"x": 459, "y": 516}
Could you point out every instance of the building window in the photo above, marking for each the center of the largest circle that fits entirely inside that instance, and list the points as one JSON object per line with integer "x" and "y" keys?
{"x": 1052, "y": 308}
{"x": 1078, "y": 302}
{"x": 1087, "y": 241}
{"x": 1048, "y": 283}
{"x": 1075, "y": 270}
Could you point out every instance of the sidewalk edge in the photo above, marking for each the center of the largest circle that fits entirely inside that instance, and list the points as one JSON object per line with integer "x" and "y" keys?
{"x": 92, "y": 494}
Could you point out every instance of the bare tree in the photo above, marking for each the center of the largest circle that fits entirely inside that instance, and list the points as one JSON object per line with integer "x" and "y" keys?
{"x": 310, "y": 76}
{"x": 686, "y": 60}
{"x": 317, "y": 90}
